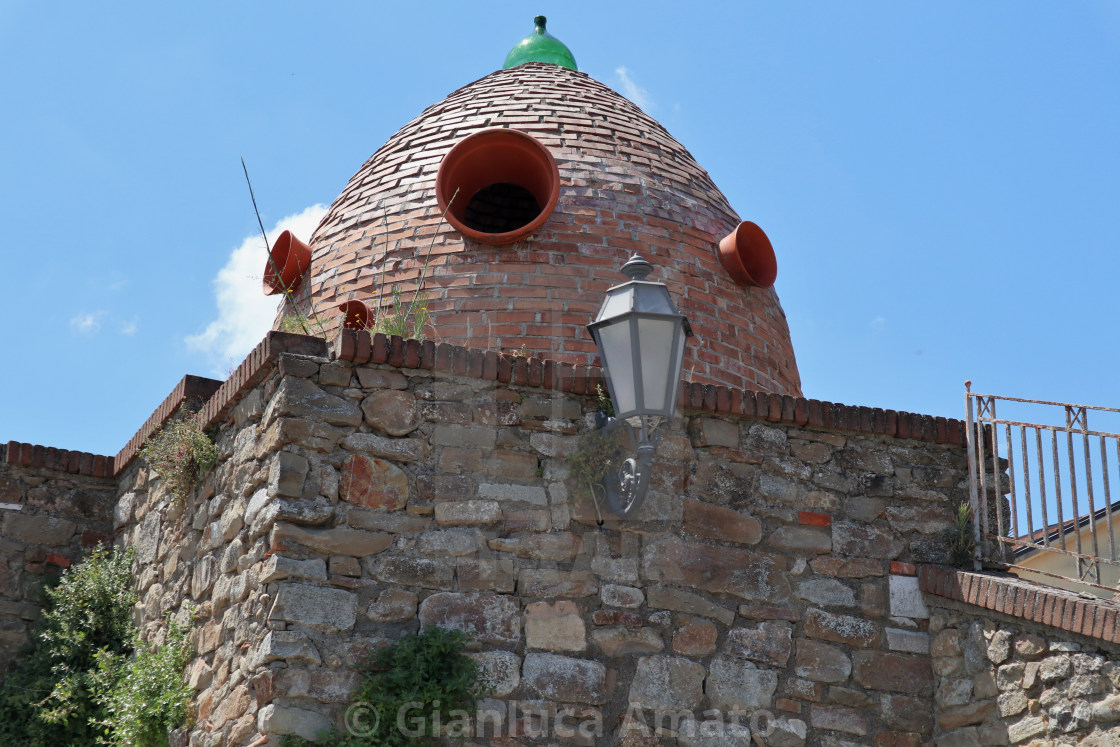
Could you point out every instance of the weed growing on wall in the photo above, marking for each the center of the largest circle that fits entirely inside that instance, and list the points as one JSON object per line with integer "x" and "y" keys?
{"x": 181, "y": 453}
{"x": 415, "y": 678}
{"x": 960, "y": 541}
{"x": 596, "y": 454}
{"x": 50, "y": 695}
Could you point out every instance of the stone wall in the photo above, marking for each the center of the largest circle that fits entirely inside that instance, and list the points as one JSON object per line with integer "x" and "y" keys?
{"x": 1002, "y": 680}
{"x": 53, "y": 503}
{"x": 770, "y": 576}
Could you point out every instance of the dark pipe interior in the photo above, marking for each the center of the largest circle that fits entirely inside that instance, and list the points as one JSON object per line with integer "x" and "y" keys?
{"x": 500, "y": 208}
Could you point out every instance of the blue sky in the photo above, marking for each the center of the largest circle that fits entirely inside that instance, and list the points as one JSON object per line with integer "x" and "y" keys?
{"x": 941, "y": 181}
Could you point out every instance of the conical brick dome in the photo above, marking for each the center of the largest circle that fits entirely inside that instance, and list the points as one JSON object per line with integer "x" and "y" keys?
{"x": 625, "y": 185}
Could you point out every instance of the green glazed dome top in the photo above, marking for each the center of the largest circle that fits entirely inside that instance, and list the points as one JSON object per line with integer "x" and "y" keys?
{"x": 540, "y": 46}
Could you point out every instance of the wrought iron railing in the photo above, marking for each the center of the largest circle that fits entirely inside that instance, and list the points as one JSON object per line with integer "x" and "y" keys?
{"x": 1041, "y": 493}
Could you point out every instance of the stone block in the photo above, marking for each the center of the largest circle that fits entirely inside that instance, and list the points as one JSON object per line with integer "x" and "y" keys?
{"x": 394, "y": 449}
{"x": 301, "y": 398}
{"x": 232, "y": 706}
{"x": 853, "y": 631}
{"x": 614, "y": 595}
{"x": 468, "y": 513}
{"x": 277, "y": 567}
{"x": 393, "y": 606}
{"x": 826, "y": 592}
{"x": 720, "y": 523}
{"x": 614, "y": 642}
{"x": 678, "y": 600}
{"x": 510, "y": 465}
{"x": 373, "y": 483}
{"x": 326, "y": 609}
{"x": 910, "y": 641}
{"x": 565, "y": 679}
{"x": 906, "y": 598}
{"x": 392, "y": 411}
{"x": 527, "y": 520}
{"x": 325, "y": 686}
{"x": 865, "y": 540}
{"x": 412, "y": 570}
{"x": 466, "y": 436}
{"x": 277, "y": 719}
{"x": 733, "y": 683}
{"x": 286, "y": 474}
{"x": 554, "y": 627}
{"x": 502, "y": 670}
{"x": 801, "y": 539}
{"x": 906, "y": 713}
{"x": 533, "y": 494}
{"x": 334, "y": 541}
{"x": 486, "y": 574}
{"x": 553, "y": 583}
{"x": 768, "y": 643}
{"x": 489, "y": 618}
{"x": 711, "y": 732}
{"x": 747, "y": 574}
{"x": 451, "y": 543}
{"x": 667, "y": 682}
{"x": 902, "y": 673}
{"x": 831, "y": 565}
{"x": 394, "y": 522}
{"x": 559, "y": 546}
{"x": 714, "y": 432}
{"x": 837, "y": 718}
{"x": 380, "y": 378}
{"x": 697, "y": 639}
{"x": 1030, "y": 646}
{"x": 821, "y": 662}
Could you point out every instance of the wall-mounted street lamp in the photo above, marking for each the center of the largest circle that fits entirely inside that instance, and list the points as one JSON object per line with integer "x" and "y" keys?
{"x": 640, "y": 335}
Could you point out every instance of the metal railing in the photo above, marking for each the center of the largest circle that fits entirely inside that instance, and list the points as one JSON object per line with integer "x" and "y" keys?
{"x": 1037, "y": 488}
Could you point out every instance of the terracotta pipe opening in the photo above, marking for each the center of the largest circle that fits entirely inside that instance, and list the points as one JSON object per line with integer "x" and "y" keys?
{"x": 355, "y": 314}
{"x": 290, "y": 260}
{"x": 748, "y": 256}
{"x": 508, "y": 185}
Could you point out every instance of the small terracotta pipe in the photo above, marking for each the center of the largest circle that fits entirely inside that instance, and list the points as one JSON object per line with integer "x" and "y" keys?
{"x": 496, "y": 156}
{"x": 290, "y": 260}
{"x": 748, "y": 256}
{"x": 355, "y": 314}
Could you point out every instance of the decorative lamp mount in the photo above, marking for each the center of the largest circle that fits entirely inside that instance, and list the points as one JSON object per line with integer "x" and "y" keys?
{"x": 641, "y": 337}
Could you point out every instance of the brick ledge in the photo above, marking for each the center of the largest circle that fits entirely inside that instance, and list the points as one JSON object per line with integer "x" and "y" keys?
{"x": 1011, "y": 595}
{"x": 360, "y": 347}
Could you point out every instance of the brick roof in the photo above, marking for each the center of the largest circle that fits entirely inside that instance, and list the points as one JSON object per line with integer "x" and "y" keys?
{"x": 626, "y": 185}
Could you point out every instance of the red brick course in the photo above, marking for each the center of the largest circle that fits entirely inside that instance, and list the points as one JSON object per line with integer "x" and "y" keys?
{"x": 1058, "y": 608}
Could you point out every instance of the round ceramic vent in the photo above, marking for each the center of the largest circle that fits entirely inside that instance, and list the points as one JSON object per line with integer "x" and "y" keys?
{"x": 507, "y": 183}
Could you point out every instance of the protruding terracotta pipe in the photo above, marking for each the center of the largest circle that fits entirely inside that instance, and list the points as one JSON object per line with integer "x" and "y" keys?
{"x": 491, "y": 157}
{"x": 355, "y": 314}
{"x": 290, "y": 260}
{"x": 748, "y": 257}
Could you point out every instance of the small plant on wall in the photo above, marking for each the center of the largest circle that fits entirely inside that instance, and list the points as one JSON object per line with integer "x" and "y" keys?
{"x": 960, "y": 541}
{"x": 181, "y": 453}
{"x": 410, "y": 691}
{"x": 596, "y": 454}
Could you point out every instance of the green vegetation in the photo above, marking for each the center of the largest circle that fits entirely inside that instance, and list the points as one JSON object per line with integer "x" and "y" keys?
{"x": 425, "y": 677}
{"x": 960, "y": 541}
{"x": 181, "y": 453}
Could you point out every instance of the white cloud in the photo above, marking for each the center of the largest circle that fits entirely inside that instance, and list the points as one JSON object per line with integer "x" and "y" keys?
{"x": 245, "y": 313}
{"x": 632, "y": 90}
{"x": 87, "y": 323}
{"x": 878, "y": 323}
{"x": 129, "y": 328}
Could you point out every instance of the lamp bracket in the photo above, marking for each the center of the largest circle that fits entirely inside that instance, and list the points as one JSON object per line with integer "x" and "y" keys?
{"x": 627, "y": 482}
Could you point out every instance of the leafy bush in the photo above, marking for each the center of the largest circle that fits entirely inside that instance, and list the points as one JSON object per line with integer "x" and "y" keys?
{"x": 145, "y": 697}
{"x": 181, "y": 453}
{"x": 428, "y": 668}
{"x": 49, "y": 696}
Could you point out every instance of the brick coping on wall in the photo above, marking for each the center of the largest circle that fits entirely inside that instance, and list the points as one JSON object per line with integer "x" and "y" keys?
{"x": 360, "y": 347}
{"x": 1027, "y": 600}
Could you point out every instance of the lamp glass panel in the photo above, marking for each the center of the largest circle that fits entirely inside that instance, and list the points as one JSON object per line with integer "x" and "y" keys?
{"x": 618, "y": 359}
{"x": 656, "y": 336}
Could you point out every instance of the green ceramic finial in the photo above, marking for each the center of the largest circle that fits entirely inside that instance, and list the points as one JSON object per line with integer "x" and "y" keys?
{"x": 540, "y": 46}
